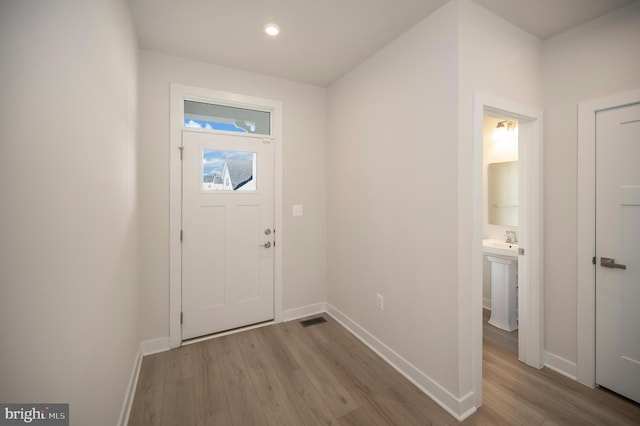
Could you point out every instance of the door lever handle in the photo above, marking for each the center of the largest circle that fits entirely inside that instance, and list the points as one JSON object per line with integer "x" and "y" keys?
{"x": 265, "y": 245}
{"x": 611, "y": 263}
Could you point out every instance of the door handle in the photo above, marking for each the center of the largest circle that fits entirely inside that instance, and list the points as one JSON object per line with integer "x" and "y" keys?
{"x": 265, "y": 245}
{"x": 611, "y": 263}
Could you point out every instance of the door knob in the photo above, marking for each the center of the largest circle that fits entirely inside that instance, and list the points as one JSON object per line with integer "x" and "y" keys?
{"x": 266, "y": 245}
{"x": 611, "y": 263}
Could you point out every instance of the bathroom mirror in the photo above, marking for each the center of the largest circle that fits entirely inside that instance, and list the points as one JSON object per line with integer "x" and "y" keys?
{"x": 503, "y": 193}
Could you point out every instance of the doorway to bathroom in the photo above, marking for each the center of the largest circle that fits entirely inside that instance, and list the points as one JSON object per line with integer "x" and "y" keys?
{"x": 518, "y": 254}
{"x": 500, "y": 202}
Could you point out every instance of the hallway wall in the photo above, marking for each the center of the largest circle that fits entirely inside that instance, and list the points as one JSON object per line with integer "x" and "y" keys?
{"x": 392, "y": 190}
{"x": 597, "y": 59}
{"x": 68, "y": 280}
{"x": 400, "y": 152}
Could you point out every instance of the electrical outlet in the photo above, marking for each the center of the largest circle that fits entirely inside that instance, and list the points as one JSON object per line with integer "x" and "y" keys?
{"x": 379, "y": 301}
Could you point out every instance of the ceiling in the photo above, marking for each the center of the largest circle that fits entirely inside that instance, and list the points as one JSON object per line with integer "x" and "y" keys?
{"x": 320, "y": 40}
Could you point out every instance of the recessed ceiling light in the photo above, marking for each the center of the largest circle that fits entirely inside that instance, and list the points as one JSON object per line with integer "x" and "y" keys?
{"x": 272, "y": 29}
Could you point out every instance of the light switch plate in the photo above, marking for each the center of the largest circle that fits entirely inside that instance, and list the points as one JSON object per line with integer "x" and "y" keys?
{"x": 297, "y": 209}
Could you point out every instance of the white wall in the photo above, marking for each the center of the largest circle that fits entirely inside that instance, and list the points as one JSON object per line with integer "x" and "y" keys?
{"x": 597, "y": 59}
{"x": 402, "y": 120}
{"x": 392, "y": 196}
{"x": 68, "y": 324}
{"x": 305, "y": 176}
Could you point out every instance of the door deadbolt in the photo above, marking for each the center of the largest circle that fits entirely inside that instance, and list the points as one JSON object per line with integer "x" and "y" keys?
{"x": 267, "y": 231}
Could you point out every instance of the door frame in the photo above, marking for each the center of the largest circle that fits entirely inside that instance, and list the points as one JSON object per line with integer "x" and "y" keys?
{"x": 531, "y": 298}
{"x": 586, "y": 275}
{"x": 178, "y": 94}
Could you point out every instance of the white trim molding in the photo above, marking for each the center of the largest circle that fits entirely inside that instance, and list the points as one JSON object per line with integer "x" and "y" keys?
{"x": 304, "y": 311}
{"x": 530, "y": 230}
{"x": 586, "y": 286}
{"x": 125, "y": 412}
{"x": 560, "y": 365}
{"x": 486, "y": 303}
{"x": 179, "y": 93}
{"x": 154, "y": 346}
{"x": 146, "y": 347}
{"x": 460, "y": 408}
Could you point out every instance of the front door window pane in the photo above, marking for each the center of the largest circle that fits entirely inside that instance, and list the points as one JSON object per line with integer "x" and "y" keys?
{"x": 228, "y": 170}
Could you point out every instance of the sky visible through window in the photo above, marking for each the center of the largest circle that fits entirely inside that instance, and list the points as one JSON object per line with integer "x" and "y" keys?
{"x": 227, "y": 126}
{"x": 213, "y": 160}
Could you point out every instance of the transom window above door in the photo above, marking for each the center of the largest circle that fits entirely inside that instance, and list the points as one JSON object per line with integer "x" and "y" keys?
{"x": 201, "y": 115}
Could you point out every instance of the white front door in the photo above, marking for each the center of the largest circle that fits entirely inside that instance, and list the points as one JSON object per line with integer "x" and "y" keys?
{"x": 228, "y": 235}
{"x": 618, "y": 250}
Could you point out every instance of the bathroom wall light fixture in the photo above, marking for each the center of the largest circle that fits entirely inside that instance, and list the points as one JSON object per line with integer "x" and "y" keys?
{"x": 505, "y": 130}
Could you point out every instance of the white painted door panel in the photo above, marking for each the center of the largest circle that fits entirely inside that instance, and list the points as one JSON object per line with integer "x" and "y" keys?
{"x": 227, "y": 272}
{"x": 618, "y": 238}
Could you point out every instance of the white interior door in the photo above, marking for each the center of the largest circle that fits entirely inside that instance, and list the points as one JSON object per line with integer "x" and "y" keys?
{"x": 228, "y": 235}
{"x": 618, "y": 250}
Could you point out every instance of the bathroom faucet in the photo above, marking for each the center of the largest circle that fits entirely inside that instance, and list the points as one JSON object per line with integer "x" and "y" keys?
{"x": 512, "y": 238}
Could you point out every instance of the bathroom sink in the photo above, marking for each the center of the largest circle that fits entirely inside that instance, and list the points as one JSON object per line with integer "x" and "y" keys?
{"x": 500, "y": 248}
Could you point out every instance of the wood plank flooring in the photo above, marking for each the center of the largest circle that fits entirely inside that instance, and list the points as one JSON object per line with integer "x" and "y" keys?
{"x": 285, "y": 374}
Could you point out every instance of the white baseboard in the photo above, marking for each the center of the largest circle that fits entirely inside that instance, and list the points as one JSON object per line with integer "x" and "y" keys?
{"x": 561, "y": 365}
{"x": 303, "y": 311}
{"x": 131, "y": 390}
{"x": 153, "y": 346}
{"x": 486, "y": 303}
{"x": 460, "y": 408}
{"x": 147, "y": 347}
{"x": 161, "y": 344}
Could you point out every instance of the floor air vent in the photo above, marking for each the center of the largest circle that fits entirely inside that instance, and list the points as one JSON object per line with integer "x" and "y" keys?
{"x": 313, "y": 321}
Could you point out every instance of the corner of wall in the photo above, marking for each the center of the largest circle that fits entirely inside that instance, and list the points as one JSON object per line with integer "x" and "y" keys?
{"x": 458, "y": 407}
{"x": 560, "y": 365}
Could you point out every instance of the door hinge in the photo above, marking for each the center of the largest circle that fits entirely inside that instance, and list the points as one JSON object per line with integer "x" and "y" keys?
{"x": 181, "y": 148}
{"x": 181, "y": 318}
{"x": 593, "y": 260}
{"x": 181, "y": 235}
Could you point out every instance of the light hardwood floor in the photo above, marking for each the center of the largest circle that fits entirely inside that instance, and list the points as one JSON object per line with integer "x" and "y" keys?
{"x": 285, "y": 374}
